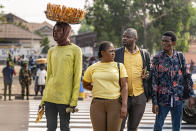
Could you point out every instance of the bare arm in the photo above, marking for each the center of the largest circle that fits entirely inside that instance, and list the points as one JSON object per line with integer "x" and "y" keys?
{"x": 87, "y": 85}
{"x": 124, "y": 94}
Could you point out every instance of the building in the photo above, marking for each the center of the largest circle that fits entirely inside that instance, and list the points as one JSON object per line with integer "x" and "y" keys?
{"x": 87, "y": 42}
{"x": 22, "y": 37}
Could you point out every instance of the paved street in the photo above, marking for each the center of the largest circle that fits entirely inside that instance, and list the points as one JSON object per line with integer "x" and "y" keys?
{"x": 14, "y": 115}
{"x": 81, "y": 121}
{"x": 18, "y": 115}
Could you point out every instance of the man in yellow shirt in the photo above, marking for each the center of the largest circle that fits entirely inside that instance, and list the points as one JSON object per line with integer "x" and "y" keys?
{"x": 137, "y": 64}
{"x": 64, "y": 68}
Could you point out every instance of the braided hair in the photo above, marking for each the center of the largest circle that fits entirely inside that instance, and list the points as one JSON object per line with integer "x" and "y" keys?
{"x": 103, "y": 46}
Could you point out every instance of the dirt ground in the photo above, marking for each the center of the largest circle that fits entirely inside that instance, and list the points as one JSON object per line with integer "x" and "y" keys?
{"x": 16, "y": 88}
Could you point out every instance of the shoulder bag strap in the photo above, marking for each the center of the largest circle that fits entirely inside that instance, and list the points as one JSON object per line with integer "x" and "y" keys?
{"x": 118, "y": 65}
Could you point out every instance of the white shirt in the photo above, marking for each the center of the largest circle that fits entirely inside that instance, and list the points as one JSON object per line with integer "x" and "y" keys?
{"x": 41, "y": 74}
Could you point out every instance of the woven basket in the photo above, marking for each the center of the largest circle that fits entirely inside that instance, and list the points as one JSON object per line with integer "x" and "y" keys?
{"x": 64, "y": 14}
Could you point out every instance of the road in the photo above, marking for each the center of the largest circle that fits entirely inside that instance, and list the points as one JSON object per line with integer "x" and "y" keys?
{"x": 80, "y": 121}
{"x": 14, "y": 115}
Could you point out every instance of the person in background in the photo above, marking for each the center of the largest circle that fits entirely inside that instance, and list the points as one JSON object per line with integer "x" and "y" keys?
{"x": 22, "y": 60}
{"x": 31, "y": 62}
{"x": 137, "y": 64}
{"x": 25, "y": 79}
{"x": 167, "y": 81}
{"x": 8, "y": 72}
{"x": 64, "y": 69}
{"x": 41, "y": 79}
{"x": 10, "y": 60}
{"x": 104, "y": 79}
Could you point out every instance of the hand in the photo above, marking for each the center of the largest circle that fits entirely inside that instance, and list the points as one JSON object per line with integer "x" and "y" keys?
{"x": 72, "y": 109}
{"x": 191, "y": 102}
{"x": 123, "y": 112}
{"x": 145, "y": 75}
{"x": 155, "y": 109}
{"x": 39, "y": 107}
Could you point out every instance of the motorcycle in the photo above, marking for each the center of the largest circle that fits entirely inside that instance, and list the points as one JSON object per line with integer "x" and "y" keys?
{"x": 189, "y": 114}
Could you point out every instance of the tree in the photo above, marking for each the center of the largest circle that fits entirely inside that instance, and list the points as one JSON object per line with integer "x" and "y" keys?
{"x": 45, "y": 44}
{"x": 175, "y": 16}
{"x": 151, "y": 18}
{"x": 85, "y": 27}
{"x": 193, "y": 25}
{"x": 1, "y": 13}
{"x": 109, "y": 18}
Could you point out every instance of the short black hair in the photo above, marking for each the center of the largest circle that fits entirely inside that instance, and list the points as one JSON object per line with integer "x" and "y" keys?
{"x": 103, "y": 46}
{"x": 170, "y": 34}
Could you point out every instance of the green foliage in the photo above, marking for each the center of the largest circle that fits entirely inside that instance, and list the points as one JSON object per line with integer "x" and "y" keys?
{"x": 38, "y": 33}
{"x": 20, "y": 24}
{"x": 45, "y": 44}
{"x": 108, "y": 18}
{"x": 85, "y": 28}
{"x": 1, "y": 13}
{"x": 193, "y": 24}
{"x": 151, "y": 18}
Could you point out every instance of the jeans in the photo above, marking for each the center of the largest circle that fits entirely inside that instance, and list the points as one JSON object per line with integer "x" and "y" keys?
{"x": 52, "y": 110}
{"x": 176, "y": 117}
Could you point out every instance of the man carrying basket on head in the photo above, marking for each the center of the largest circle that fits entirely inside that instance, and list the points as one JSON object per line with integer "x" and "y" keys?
{"x": 64, "y": 68}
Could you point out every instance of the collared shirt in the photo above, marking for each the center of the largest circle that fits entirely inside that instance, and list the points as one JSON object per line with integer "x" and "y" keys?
{"x": 167, "y": 79}
{"x": 133, "y": 64}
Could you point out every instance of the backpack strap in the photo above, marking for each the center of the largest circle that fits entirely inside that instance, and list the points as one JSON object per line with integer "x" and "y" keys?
{"x": 143, "y": 54}
{"x": 180, "y": 58}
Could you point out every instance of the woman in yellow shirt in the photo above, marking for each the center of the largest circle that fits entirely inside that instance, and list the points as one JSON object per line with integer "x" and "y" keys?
{"x": 102, "y": 78}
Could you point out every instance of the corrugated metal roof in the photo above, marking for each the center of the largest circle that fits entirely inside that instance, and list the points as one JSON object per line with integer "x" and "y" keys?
{"x": 12, "y": 31}
{"x": 36, "y": 26}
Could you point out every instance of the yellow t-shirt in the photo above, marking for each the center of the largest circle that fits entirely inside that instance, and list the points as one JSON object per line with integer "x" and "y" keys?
{"x": 64, "y": 70}
{"x": 105, "y": 79}
{"x": 134, "y": 64}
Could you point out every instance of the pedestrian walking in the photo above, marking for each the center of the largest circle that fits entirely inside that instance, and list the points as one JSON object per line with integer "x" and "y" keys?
{"x": 8, "y": 72}
{"x": 171, "y": 79}
{"x": 40, "y": 80}
{"x": 64, "y": 68}
{"x": 137, "y": 64}
{"x": 25, "y": 79}
{"x": 104, "y": 79}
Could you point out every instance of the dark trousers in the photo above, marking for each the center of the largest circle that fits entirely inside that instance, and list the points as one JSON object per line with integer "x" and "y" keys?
{"x": 9, "y": 85}
{"x": 25, "y": 86}
{"x": 40, "y": 88}
{"x": 52, "y": 110}
{"x": 135, "y": 108}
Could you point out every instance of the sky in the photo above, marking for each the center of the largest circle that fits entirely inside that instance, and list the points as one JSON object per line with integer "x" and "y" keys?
{"x": 33, "y": 10}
